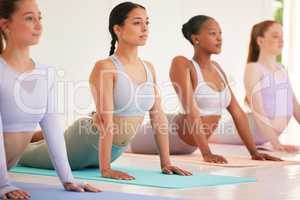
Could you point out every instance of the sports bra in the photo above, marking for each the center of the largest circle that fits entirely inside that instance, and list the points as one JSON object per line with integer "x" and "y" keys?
{"x": 276, "y": 92}
{"x": 131, "y": 99}
{"x": 209, "y": 100}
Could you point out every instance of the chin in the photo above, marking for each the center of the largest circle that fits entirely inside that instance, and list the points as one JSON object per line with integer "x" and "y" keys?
{"x": 218, "y": 51}
{"x": 32, "y": 43}
{"x": 141, "y": 44}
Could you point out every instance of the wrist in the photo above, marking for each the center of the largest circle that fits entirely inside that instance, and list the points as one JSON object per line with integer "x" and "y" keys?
{"x": 105, "y": 169}
{"x": 165, "y": 163}
{"x": 253, "y": 152}
{"x": 206, "y": 153}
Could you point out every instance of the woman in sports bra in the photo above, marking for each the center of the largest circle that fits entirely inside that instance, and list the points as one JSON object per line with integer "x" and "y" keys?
{"x": 26, "y": 94}
{"x": 123, "y": 87}
{"x": 205, "y": 95}
{"x": 269, "y": 94}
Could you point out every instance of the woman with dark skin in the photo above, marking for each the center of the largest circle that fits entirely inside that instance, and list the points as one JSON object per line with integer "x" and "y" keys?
{"x": 204, "y": 93}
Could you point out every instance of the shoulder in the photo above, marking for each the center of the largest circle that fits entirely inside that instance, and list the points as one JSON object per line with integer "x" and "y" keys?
{"x": 104, "y": 64}
{"x": 101, "y": 66}
{"x": 180, "y": 64}
{"x": 253, "y": 69}
{"x": 181, "y": 61}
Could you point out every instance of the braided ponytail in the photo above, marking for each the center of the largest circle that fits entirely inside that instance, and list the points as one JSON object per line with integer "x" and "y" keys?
{"x": 112, "y": 46}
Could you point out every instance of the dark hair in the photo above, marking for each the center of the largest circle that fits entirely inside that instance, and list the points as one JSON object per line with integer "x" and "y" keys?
{"x": 118, "y": 16}
{"x": 193, "y": 26}
{"x": 7, "y": 9}
{"x": 258, "y": 30}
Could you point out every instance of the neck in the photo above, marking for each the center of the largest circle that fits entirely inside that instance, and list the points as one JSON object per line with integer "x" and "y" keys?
{"x": 16, "y": 56}
{"x": 202, "y": 58}
{"x": 128, "y": 53}
{"x": 267, "y": 58}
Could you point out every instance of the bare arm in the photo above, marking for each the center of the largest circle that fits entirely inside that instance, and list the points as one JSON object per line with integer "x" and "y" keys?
{"x": 181, "y": 80}
{"x": 242, "y": 125}
{"x": 159, "y": 123}
{"x": 101, "y": 83}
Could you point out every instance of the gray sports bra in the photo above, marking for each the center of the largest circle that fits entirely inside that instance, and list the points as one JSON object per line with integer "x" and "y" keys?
{"x": 130, "y": 98}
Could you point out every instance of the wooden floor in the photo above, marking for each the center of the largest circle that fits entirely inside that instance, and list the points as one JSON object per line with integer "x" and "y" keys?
{"x": 276, "y": 183}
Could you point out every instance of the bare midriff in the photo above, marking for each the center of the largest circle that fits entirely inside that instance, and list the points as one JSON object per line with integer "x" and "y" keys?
{"x": 125, "y": 129}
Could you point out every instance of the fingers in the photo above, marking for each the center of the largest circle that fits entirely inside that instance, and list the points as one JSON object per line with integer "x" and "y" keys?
{"x": 123, "y": 176}
{"x": 291, "y": 148}
{"x": 89, "y": 188}
{"x": 17, "y": 194}
{"x": 73, "y": 187}
{"x": 181, "y": 172}
{"x": 216, "y": 159}
{"x": 271, "y": 158}
{"x": 258, "y": 157}
{"x": 165, "y": 170}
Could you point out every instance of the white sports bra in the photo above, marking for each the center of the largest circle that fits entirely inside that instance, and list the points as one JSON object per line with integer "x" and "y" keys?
{"x": 209, "y": 100}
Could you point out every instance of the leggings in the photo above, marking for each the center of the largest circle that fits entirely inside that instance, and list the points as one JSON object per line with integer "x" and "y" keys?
{"x": 144, "y": 142}
{"x": 82, "y": 139}
{"x": 226, "y": 132}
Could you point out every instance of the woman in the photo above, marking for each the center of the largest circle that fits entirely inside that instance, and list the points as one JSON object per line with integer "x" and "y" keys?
{"x": 268, "y": 89}
{"x": 123, "y": 87}
{"x": 25, "y": 98}
{"x": 204, "y": 93}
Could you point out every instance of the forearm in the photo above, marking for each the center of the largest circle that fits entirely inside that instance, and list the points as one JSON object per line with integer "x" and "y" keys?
{"x": 54, "y": 136}
{"x": 160, "y": 126}
{"x": 105, "y": 147}
{"x": 197, "y": 129}
{"x": 242, "y": 125}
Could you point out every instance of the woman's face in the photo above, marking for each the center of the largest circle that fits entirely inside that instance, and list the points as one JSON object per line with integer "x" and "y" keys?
{"x": 24, "y": 27}
{"x": 272, "y": 41}
{"x": 209, "y": 37}
{"x": 135, "y": 29}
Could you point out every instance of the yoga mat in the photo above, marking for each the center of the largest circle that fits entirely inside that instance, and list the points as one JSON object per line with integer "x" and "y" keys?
{"x": 236, "y": 162}
{"x": 233, "y": 161}
{"x": 147, "y": 177}
{"x": 48, "y": 192}
{"x": 268, "y": 147}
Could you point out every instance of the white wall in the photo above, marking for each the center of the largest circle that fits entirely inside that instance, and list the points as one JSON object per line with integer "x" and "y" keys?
{"x": 76, "y": 35}
{"x": 292, "y": 41}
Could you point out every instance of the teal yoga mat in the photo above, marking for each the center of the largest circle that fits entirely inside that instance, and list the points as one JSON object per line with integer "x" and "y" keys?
{"x": 151, "y": 178}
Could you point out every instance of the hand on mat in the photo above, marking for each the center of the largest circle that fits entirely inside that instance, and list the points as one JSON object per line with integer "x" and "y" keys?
{"x": 78, "y": 188}
{"x": 114, "y": 174}
{"x": 264, "y": 156}
{"x": 286, "y": 148}
{"x": 16, "y": 195}
{"x": 175, "y": 170}
{"x": 212, "y": 158}
{"x": 90, "y": 188}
